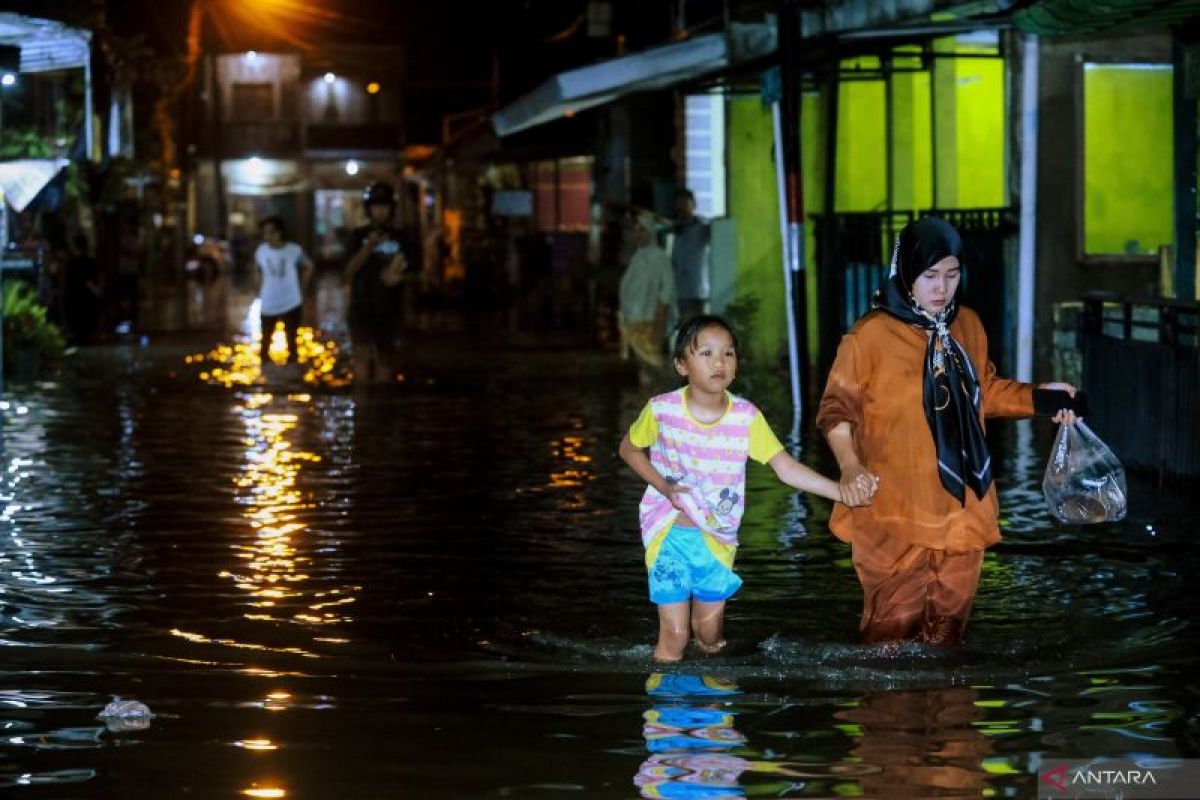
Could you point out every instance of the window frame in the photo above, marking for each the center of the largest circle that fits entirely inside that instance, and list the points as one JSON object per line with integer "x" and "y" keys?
{"x": 1082, "y": 255}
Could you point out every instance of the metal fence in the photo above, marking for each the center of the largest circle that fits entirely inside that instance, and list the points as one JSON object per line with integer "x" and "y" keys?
{"x": 854, "y": 252}
{"x": 1141, "y": 370}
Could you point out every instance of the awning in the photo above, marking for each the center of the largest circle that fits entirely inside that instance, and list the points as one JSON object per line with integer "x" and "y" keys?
{"x": 23, "y": 179}
{"x": 656, "y": 68}
{"x": 46, "y": 45}
{"x": 261, "y": 177}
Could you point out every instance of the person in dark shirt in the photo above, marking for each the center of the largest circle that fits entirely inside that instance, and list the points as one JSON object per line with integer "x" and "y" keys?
{"x": 377, "y": 262}
{"x": 82, "y": 293}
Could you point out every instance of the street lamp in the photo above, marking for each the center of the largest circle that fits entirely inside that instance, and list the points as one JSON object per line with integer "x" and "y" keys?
{"x": 10, "y": 64}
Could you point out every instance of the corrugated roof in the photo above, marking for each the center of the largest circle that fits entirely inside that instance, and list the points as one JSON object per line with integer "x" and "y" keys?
{"x": 46, "y": 45}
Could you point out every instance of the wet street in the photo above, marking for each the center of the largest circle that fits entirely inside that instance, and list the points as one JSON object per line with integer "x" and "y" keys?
{"x": 434, "y": 589}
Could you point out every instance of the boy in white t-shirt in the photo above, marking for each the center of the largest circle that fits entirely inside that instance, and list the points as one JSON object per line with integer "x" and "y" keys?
{"x": 282, "y": 275}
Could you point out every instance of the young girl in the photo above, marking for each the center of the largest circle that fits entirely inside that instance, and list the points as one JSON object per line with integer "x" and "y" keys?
{"x": 699, "y": 438}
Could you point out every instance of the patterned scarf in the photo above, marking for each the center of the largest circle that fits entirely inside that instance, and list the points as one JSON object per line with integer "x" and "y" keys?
{"x": 950, "y": 386}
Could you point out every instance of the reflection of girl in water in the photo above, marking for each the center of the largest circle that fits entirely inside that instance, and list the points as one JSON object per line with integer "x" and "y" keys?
{"x": 695, "y": 752}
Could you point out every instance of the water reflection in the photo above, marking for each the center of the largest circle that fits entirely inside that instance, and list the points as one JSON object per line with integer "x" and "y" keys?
{"x": 922, "y": 742}
{"x": 237, "y": 364}
{"x": 278, "y": 557}
{"x": 696, "y": 752}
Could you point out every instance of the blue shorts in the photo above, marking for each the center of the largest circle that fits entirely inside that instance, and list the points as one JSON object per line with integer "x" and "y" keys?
{"x": 686, "y": 568}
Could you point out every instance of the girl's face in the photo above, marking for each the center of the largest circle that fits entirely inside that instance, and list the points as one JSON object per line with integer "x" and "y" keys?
{"x": 272, "y": 235}
{"x": 934, "y": 288}
{"x": 711, "y": 362}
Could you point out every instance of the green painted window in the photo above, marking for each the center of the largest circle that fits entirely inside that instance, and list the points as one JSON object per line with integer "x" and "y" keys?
{"x": 1127, "y": 153}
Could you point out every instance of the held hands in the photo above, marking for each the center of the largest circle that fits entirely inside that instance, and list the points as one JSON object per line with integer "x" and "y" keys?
{"x": 1064, "y": 415}
{"x": 858, "y": 486}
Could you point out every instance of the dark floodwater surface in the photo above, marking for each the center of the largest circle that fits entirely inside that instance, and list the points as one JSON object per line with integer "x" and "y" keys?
{"x": 435, "y": 590}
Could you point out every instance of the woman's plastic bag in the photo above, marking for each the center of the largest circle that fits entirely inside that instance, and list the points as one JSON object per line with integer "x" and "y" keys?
{"x": 1084, "y": 483}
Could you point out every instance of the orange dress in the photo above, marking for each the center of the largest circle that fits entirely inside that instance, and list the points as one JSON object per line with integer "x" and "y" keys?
{"x": 917, "y": 550}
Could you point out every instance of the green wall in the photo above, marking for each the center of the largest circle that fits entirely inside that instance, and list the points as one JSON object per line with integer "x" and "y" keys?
{"x": 860, "y": 172}
{"x": 979, "y": 149}
{"x": 753, "y": 202}
{"x": 970, "y": 150}
{"x": 1129, "y": 195}
{"x": 968, "y": 94}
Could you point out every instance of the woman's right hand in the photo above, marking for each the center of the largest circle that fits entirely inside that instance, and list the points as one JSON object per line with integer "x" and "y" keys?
{"x": 858, "y": 485}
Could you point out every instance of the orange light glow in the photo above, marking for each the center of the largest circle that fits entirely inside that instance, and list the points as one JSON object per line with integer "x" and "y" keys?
{"x": 373, "y": 88}
{"x": 264, "y": 792}
{"x": 257, "y": 744}
{"x": 298, "y": 22}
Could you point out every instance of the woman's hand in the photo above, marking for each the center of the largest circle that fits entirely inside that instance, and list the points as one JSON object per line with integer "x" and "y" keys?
{"x": 858, "y": 485}
{"x": 1064, "y": 415}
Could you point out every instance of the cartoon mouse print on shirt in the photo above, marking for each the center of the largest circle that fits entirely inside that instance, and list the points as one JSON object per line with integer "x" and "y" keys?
{"x": 718, "y": 515}
{"x": 712, "y": 506}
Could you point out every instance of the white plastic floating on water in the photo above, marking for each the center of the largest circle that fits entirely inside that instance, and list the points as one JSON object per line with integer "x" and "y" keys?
{"x": 122, "y": 716}
{"x": 125, "y": 709}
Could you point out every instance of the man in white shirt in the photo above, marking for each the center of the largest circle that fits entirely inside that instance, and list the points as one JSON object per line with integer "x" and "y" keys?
{"x": 282, "y": 273}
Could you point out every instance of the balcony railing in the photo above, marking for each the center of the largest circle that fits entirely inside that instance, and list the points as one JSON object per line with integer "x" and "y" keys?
{"x": 267, "y": 139}
{"x": 349, "y": 138}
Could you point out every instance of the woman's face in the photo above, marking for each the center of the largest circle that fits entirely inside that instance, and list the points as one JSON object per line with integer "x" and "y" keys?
{"x": 934, "y": 288}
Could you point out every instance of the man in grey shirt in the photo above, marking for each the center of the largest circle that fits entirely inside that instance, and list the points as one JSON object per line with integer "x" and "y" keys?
{"x": 689, "y": 256}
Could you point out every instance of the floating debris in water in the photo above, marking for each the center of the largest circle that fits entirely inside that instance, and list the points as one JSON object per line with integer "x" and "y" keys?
{"x": 126, "y": 715}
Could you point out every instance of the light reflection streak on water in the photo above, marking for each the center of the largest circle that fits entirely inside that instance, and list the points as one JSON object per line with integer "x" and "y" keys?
{"x": 277, "y": 572}
{"x": 46, "y": 579}
{"x": 572, "y": 465}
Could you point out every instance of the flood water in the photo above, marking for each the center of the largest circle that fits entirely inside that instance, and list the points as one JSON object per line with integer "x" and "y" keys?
{"x": 435, "y": 590}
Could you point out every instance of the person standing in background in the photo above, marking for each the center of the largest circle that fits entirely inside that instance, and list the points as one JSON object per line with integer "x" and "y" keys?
{"x": 130, "y": 246}
{"x": 647, "y": 300}
{"x": 374, "y": 270}
{"x": 283, "y": 272}
{"x": 689, "y": 256}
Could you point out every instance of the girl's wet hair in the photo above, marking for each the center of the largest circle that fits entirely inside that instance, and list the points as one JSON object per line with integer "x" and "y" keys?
{"x": 689, "y": 331}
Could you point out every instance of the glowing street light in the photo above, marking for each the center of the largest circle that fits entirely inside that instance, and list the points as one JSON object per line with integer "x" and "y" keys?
{"x": 352, "y": 167}
{"x": 373, "y": 87}
{"x": 330, "y": 77}
{"x": 8, "y": 79}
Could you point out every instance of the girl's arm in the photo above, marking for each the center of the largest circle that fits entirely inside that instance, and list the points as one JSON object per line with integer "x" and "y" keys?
{"x": 639, "y": 462}
{"x": 798, "y": 476}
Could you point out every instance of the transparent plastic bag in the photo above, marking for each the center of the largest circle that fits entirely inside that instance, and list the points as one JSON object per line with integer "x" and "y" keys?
{"x": 1084, "y": 483}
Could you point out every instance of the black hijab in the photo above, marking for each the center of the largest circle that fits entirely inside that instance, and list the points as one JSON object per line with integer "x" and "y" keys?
{"x": 950, "y": 385}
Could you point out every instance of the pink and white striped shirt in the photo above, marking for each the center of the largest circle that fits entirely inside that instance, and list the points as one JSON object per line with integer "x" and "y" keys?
{"x": 708, "y": 457}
